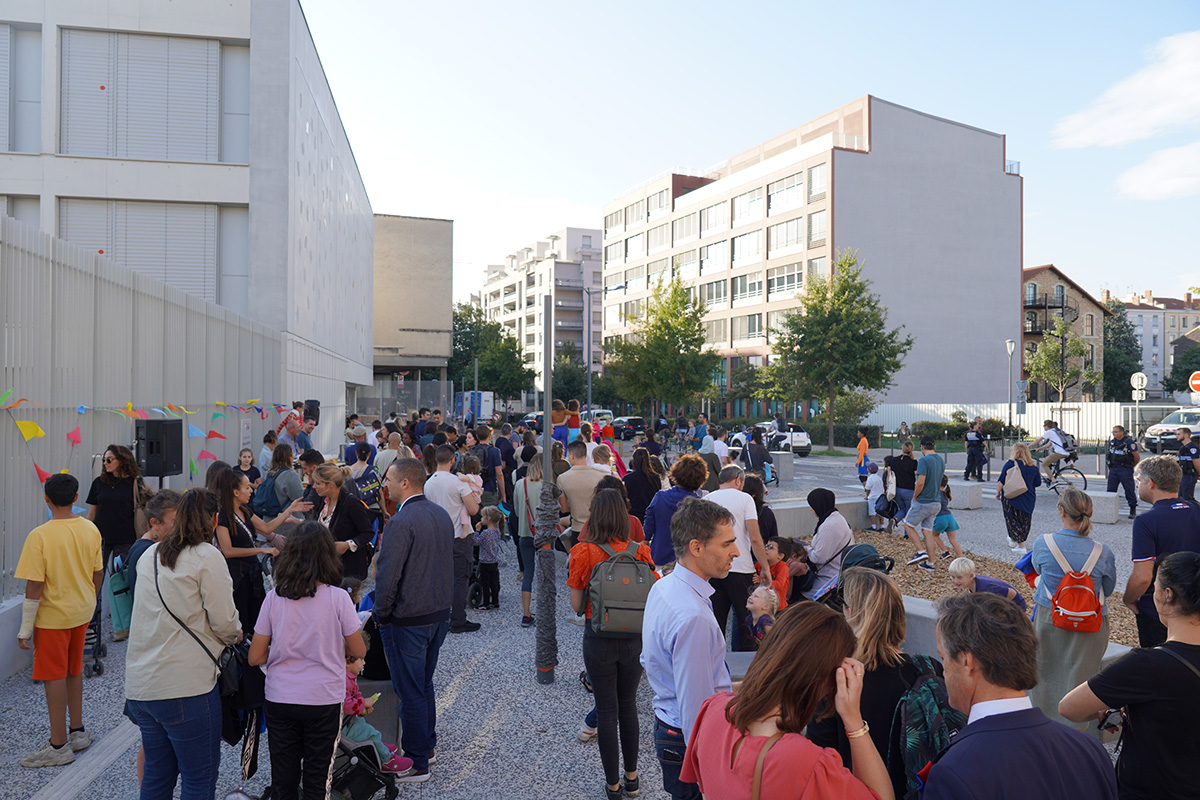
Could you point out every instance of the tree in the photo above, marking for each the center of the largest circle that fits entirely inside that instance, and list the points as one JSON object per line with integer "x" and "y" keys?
{"x": 501, "y": 364}
{"x": 569, "y": 380}
{"x": 850, "y": 408}
{"x": 604, "y": 392}
{"x": 1122, "y": 352}
{"x": 665, "y": 358}
{"x": 1060, "y": 360}
{"x": 836, "y": 343}
{"x": 1187, "y": 363}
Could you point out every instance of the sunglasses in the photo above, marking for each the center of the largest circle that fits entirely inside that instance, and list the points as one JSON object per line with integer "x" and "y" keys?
{"x": 109, "y": 460}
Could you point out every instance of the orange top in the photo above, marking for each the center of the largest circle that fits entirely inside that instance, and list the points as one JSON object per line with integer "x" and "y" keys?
{"x": 862, "y": 452}
{"x": 781, "y": 581}
{"x": 558, "y": 417}
{"x": 585, "y": 556}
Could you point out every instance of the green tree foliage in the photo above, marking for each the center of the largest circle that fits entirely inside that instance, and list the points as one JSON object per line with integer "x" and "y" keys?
{"x": 501, "y": 364}
{"x": 665, "y": 359}
{"x": 850, "y": 408}
{"x": 569, "y": 381}
{"x": 837, "y": 343}
{"x": 1187, "y": 363}
{"x": 1059, "y": 360}
{"x": 1122, "y": 352}
{"x": 605, "y": 393}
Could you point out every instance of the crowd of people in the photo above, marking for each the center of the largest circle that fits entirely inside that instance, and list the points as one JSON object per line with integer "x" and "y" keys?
{"x": 286, "y": 558}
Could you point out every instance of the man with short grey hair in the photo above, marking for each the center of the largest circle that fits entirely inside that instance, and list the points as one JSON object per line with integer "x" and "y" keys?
{"x": 733, "y": 590}
{"x": 1008, "y": 749}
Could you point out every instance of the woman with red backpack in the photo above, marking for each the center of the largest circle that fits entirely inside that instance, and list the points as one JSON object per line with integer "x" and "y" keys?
{"x": 1077, "y": 576}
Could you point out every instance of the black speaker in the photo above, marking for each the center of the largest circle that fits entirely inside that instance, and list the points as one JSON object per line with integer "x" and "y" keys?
{"x": 158, "y": 446}
{"x": 312, "y": 408}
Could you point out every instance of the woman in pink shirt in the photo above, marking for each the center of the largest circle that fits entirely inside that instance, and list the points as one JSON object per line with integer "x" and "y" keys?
{"x": 749, "y": 743}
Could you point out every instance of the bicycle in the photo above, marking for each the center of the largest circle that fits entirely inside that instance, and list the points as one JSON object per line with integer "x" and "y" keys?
{"x": 1065, "y": 476}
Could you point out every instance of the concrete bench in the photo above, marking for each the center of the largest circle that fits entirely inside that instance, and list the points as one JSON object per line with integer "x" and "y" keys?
{"x": 1106, "y": 507}
{"x": 386, "y": 717}
{"x": 966, "y": 494}
{"x": 797, "y": 520}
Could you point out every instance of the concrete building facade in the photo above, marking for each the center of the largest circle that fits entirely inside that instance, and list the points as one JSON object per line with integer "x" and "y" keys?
{"x": 200, "y": 144}
{"x": 1158, "y": 322}
{"x": 1047, "y": 293}
{"x": 566, "y": 265}
{"x": 931, "y": 207}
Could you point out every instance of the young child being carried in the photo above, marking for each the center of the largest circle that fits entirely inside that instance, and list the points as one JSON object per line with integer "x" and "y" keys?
{"x": 487, "y": 539}
{"x": 762, "y": 604}
{"x": 469, "y": 473}
{"x": 354, "y": 727}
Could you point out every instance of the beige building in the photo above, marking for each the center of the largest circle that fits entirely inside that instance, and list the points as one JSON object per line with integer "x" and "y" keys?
{"x": 566, "y": 265}
{"x": 1158, "y": 322}
{"x": 1048, "y": 293}
{"x": 414, "y": 313}
{"x": 931, "y": 206}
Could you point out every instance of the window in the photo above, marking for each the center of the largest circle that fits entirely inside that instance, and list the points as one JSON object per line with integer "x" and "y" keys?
{"x": 748, "y": 207}
{"x": 713, "y": 258}
{"x": 1154, "y": 340}
{"x": 1172, "y": 321}
{"x": 1091, "y": 359}
{"x": 1031, "y": 293}
{"x": 1060, "y": 294}
{"x": 659, "y": 203}
{"x": 747, "y": 327}
{"x": 614, "y": 253}
{"x": 685, "y": 264}
{"x": 784, "y": 281}
{"x": 714, "y": 331}
{"x": 635, "y": 247}
{"x": 816, "y": 228}
{"x": 746, "y": 287}
{"x": 747, "y": 248}
{"x": 20, "y": 90}
{"x": 614, "y": 221}
{"x": 587, "y": 241}
{"x": 1155, "y": 321}
{"x": 613, "y": 281}
{"x": 685, "y": 228}
{"x": 1139, "y": 320}
{"x": 658, "y": 238}
{"x": 784, "y": 194}
{"x": 654, "y": 271}
{"x": 612, "y": 316}
{"x": 817, "y": 177}
{"x": 817, "y": 269}
{"x": 1154, "y": 359}
{"x": 713, "y": 294}
{"x": 1089, "y": 325}
{"x": 1031, "y": 325}
{"x": 786, "y": 237}
{"x": 635, "y": 213}
{"x": 635, "y": 279}
{"x": 633, "y": 310}
{"x": 775, "y": 320}
{"x": 714, "y": 218}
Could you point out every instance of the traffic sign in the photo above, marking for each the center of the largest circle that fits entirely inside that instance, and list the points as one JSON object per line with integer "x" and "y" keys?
{"x": 1138, "y": 380}
{"x": 495, "y": 416}
{"x": 1194, "y": 381}
{"x": 1138, "y": 394}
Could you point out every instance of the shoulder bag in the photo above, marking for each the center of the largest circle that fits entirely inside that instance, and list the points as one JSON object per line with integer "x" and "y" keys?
{"x": 141, "y": 522}
{"x": 756, "y": 788}
{"x": 1014, "y": 482}
{"x": 228, "y": 669}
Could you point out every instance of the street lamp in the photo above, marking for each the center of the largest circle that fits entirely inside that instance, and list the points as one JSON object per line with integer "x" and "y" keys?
{"x": 587, "y": 335}
{"x": 1011, "y": 346}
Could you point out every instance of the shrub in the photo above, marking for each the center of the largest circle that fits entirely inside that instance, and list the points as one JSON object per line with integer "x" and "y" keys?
{"x": 843, "y": 435}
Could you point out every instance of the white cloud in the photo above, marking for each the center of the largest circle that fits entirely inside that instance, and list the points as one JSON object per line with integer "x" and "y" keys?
{"x": 1168, "y": 174}
{"x": 1162, "y": 96}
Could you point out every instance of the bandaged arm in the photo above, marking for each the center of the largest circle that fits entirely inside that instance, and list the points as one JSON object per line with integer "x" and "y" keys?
{"x": 28, "y": 615}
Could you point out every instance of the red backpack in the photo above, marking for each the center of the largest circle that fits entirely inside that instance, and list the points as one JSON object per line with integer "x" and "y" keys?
{"x": 1075, "y": 605}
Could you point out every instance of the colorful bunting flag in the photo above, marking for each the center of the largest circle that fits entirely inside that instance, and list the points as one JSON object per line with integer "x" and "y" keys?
{"x": 30, "y": 430}
{"x": 188, "y": 412}
{"x": 159, "y": 410}
{"x": 193, "y": 467}
{"x": 203, "y": 454}
{"x": 43, "y": 476}
{"x": 220, "y": 403}
{"x": 7, "y": 393}
{"x": 82, "y": 409}
{"x": 74, "y": 436}
{"x": 219, "y": 414}
{"x": 193, "y": 432}
{"x": 214, "y": 435}
{"x": 254, "y": 401}
{"x": 22, "y": 400}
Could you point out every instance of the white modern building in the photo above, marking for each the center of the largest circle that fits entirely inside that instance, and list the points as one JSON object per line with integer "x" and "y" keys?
{"x": 931, "y": 206}
{"x": 198, "y": 143}
{"x": 566, "y": 266}
{"x": 1158, "y": 321}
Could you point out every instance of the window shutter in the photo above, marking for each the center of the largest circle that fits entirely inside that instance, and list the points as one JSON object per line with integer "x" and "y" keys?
{"x": 88, "y": 89}
{"x": 193, "y": 116}
{"x": 5, "y": 84}
{"x": 141, "y": 103}
{"x": 192, "y": 246}
{"x": 87, "y": 223}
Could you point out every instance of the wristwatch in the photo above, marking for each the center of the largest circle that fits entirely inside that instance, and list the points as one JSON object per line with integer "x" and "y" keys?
{"x": 353, "y": 545}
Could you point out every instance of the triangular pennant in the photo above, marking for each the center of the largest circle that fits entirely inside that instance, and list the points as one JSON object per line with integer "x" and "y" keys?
{"x": 203, "y": 454}
{"x": 142, "y": 414}
{"x": 74, "y": 437}
{"x": 7, "y": 393}
{"x": 219, "y": 414}
{"x": 192, "y": 466}
{"x": 186, "y": 411}
{"x": 159, "y": 410}
{"x": 22, "y": 400}
{"x": 193, "y": 432}
{"x": 82, "y": 409}
{"x": 30, "y": 430}
{"x": 214, "y": 435}
{"x": 129, "y": 407}
{"x": 43, "y": 476}
{"x": 220, "y": 403}
{"x": 254, "y": 401}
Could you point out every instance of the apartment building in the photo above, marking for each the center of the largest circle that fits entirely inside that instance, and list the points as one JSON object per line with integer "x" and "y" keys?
{"x": 1158, "y": 322}
{"x": 198, "y": 143}
{"x": 1048, "y": 293}
{"x": 931, "y": 206}
{"x": 566, "y": 266}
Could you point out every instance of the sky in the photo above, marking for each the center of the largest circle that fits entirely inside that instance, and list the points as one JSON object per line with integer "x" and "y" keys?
{"x": 518, "y": 119}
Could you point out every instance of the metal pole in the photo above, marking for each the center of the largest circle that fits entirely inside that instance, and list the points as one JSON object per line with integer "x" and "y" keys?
{"x": 1011, "y": 345}
{"x": 475, "y": 396}
{"x": 546, "y": 653}
{"x": 587, "y": 356}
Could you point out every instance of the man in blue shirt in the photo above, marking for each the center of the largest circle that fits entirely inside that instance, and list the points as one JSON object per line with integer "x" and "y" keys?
{"x": 1122, "y": 457}
{"x": 974, "y": 439}
{"x": 926, "y": 502}
{"x": 1170, "y": 526}
{"x": 701, "y": 430}
{"x": 683, "y": 650}
{"x": 1189, "y": 462}
{"x": 303, "y": 438}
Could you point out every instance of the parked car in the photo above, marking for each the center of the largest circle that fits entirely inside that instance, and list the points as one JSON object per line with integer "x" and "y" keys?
{"x": 797, "y": 440}
{"x": 596, "y": 416}
{"x": 533, "y": 421}
{"x": 625, "y": 428}
{"x": 1161, "y": 437}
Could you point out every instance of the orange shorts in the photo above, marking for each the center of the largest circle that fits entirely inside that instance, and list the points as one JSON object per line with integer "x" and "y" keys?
{"x": 58, "y": 652}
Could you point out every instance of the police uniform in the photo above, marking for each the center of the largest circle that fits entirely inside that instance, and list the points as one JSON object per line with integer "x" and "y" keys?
{"x": 974, "y": 455}
{"x": 1120, "y": 460}
{"x": 1187, "y": 483}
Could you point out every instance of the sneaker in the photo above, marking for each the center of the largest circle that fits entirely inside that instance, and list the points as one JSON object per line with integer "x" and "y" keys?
{"x": 432, "y": 757}
{"x": 577, "y": 619}
{"x": 1132, "y": 513}
{"x": 945, "y": 556}
{"x": 585, "y": 734}
{"x": 49, "y": 756}
{"x": 633, "y": 787}
{"x": 466, "y": 627}
{"x": 412, "y": 775}
{"x": 391, "y": 748}
{"x": 1012, "y": 542}
{"x": 397, "y": 763}
{"x": 526, "y": 622}
{"x": 80, "y": 740}
{"x": 925, "y": 565}
{"x": 919, "y": 556}
{"x": 586, "y": 681}
{"x": 1020, "y": 551}
{"x": 120, "y": 636}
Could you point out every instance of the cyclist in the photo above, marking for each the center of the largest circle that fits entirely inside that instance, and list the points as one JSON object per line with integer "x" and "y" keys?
{"x": 1051, "y": 439}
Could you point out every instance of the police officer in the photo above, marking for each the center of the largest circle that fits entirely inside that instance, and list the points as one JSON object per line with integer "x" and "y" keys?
{"x": 974, "y": 439}
{"x": 1122, "y": 456}
{"x": 1189, "y": 462}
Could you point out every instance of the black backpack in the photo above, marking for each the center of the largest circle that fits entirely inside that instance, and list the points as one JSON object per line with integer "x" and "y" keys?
{"x": 865, "y": 555}
{"x": 264, "y": 503}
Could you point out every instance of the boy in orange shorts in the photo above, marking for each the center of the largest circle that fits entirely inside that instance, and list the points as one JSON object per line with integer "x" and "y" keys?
{"x": 63, "y": 571}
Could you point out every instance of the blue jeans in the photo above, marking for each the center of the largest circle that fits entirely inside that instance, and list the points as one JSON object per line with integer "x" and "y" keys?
{"x": 903, "y": 501}
{"x": 180, "y": 737}
{"x": 412, "y": 654}
{"x": 528, "y": 558}
{"x": 670, "y": 749}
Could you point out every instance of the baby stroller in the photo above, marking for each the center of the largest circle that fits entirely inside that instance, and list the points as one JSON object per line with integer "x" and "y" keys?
{"x": 475, "y": 590}
{"x": 858, "y": 555}
{"x": 94, "y": 647}
{"x": 357, "y": 773}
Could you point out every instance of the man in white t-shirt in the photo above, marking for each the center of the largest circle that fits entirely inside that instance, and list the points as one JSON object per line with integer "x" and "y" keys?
{"x": 732, "y": 591}
{"x": 720, "y": 446}
{"x": 452, "y": 493}
{"x": 1051, "y": 438}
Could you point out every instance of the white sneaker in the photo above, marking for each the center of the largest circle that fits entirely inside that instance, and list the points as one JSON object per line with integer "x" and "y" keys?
{"x": 1012, "y": 542}
{"x": 80, "y": 740}
{"x": 577, "y": 619}
{"x": 585, "y": 734}
{"x": 1020, "y": 551}
{"x": 49, "y": 756}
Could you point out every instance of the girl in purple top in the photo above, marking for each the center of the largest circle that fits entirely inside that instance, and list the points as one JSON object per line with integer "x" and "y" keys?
{"x": 305, "y": 630}
{"x": 962, "y": 575}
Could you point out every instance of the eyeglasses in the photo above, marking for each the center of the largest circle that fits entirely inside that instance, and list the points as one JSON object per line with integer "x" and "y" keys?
{"x": 109, "y": 460}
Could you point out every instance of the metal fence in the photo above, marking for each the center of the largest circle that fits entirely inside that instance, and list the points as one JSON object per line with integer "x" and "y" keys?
{"x": 1084, "y": 420}
{"x": 82, "y": 337}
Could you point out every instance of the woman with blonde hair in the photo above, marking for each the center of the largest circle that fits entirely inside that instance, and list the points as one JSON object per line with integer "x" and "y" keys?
{"x": 875, "y": 612}
{"x": 602, "y": 459}
{"x": 1069, "y": 656}
{"x": 1018, "y": 507}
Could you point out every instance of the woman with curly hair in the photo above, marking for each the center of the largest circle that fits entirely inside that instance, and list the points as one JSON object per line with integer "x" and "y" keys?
{"x": 113, "y": 500}
{"x": 688, "y": 474}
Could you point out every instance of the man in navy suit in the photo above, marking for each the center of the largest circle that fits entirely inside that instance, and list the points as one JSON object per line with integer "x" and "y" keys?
{"x": 1009, "y": 749}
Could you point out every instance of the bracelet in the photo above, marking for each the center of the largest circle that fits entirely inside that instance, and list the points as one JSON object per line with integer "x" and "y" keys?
{"x": 860, "y": 732}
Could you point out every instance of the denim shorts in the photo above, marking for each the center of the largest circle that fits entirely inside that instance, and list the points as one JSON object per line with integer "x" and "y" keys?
{"x": 921, "y": 515}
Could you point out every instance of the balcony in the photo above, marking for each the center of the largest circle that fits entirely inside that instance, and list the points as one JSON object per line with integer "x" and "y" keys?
{"x": 569, "y": 304}
{"x": 1012, "y": 167}
{"x": 569, "y": 324}
{"x": 568, "y": 283}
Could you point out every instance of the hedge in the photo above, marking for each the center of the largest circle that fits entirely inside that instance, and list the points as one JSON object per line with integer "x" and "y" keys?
{"x": 992, "y": 427}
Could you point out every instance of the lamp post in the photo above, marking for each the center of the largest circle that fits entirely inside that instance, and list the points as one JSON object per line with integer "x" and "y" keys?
{"x": 587, "y": 335}
{"x": 1011, "y": 346}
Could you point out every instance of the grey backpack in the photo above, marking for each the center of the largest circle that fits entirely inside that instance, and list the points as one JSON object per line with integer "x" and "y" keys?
{"x": 618, "y": 591}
